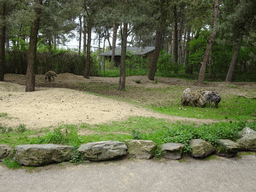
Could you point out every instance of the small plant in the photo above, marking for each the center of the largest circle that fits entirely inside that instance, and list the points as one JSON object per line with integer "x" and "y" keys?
{"x": 11, "y": 164}
{"x": 137, "y": 81}
{"x": 231, "y": 86}
{"x": 3, "y": 114}
{"x": 76, "y": 158}
{"x": 22, "y": 128}
{"x": 136, "y": 134}
{"x": 155, "y": 81}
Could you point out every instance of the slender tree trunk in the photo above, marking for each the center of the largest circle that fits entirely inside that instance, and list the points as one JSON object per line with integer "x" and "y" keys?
{"x": 30, "y": 81}
{"x": 110, "y": 47}
{"x": 84, "y": 35}
{"x": 209, "y": 46}
{"x": 159, "y": 40}
{"x": 2, "y": 40}
{"x": 88, "y": 56}
{"x": 114, "y": 42}
{"x": 175, "y": 48}
{"x": 184, "y": 47}
{"x": 80, "y": 34}
{"x": 233, "y": 61}
{"x": 158, "y": 45}
{"x": 180, "y": 42}
{"x": 188, "y": 67}
{"x": 99, "y": 44}
{"x": 55, "y": 43}
{"x": 123, "y": 57}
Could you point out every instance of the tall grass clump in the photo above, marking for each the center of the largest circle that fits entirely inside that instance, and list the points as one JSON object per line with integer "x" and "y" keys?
{"x": 67, "y": 136}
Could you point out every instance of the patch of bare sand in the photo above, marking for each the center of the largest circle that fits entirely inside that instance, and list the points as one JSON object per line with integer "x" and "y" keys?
{"x": 54, "y": 106}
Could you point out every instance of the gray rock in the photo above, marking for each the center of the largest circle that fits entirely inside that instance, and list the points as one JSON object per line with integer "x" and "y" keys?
{"x": 37, "y": 155}
{"x": 172, "y": 150}
{"x": 5, "y": 150}
{"x": 141, "y": 149}
{"x": 201, "y": 148}
{"x": 227, "y": 148}
{"x": 247, "y": 132}
{"x": 248, "y": 140}
{"x": 103, "y": 150}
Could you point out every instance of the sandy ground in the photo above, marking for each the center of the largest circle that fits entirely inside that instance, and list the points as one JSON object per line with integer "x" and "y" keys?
{"x": 51, "y": 106}
{"x": 54, "y": 106}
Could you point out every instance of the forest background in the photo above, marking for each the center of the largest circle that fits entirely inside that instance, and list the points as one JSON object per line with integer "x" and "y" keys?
{"x": 180, "y": 30}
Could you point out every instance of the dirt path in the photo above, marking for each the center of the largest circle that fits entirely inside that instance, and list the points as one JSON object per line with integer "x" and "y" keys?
{"x": 220, "y": 174}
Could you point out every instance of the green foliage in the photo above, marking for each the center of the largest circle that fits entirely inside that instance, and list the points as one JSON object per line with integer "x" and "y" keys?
{"x": 11, "y": 164}
{"x": 166, "y": 66}
{"x": 76, "y": 157}
{"x": 136, "y": 134}
{"x": 134, "y": 62}
{"x": 21, "y": 129}
{"x": 68, "y": 136}
{"x": 3, "y": 114}
{"x": 181, "y": 133}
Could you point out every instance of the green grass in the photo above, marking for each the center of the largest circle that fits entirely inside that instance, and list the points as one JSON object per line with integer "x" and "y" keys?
{"x": 11, "y": 164}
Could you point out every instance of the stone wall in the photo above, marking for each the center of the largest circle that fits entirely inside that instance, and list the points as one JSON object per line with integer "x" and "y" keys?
{"x": 43, "y": 154}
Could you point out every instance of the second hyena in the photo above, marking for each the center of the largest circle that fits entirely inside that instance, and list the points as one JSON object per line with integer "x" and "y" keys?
{"x": 50, "y": 75}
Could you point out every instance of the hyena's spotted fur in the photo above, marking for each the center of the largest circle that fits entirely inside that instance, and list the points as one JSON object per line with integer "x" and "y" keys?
{"x": 50, "y": 75}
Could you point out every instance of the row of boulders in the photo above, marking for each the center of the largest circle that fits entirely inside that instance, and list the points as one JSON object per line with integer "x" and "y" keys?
{"x": 42, "y": 154}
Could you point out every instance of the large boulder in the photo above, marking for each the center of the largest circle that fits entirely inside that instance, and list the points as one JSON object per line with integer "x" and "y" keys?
{"x": 195, "y": 98}
{"x": 248, "y": 140}
{"x": 172, "y": 150}
{"x": 37, "y": 155}
{"x": 103, "y": 150}
{"x": 141, "y": 149}
{"x": 5, "y": 150}
{"x": 201, "y": 148}
{"x": 227, "y": 148}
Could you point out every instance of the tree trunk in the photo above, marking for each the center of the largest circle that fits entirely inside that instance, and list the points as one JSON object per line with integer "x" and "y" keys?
{"x": 159, "y": 40}
{"x": 30, "y": 81}
{"x": 2, "y": 40}
{"x": 158, "y": 45}
{"x": 114, "y": 42}
{"x": 84, "y": 36}
{"x": 88, "y": 56}
{"x": 123, "y": 58}
{"x": 209, "y": 46}
{"x": 188, "y": 67}
{"x": 175, "y": 48}
{"x": 233, "y": 61}
{"x": 80, "y": 34}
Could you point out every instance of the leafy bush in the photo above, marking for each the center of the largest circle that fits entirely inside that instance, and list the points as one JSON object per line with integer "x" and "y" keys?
{"x": 166, "y": 66}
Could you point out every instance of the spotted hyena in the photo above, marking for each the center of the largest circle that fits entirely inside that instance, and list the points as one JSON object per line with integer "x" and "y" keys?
{"x": 212, "y": 96}
{"x": 50, "y": 75}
